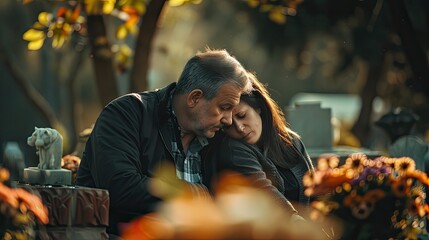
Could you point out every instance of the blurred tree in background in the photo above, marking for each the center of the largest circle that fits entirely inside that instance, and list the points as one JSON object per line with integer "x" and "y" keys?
{"x": 388, "y": 38}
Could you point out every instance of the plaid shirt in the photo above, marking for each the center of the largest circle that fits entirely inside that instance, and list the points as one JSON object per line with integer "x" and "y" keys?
{"x": 188, "y": 165}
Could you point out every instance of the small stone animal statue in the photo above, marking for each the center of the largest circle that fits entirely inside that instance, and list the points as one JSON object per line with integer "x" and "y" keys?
{"x": 49, "y": 145}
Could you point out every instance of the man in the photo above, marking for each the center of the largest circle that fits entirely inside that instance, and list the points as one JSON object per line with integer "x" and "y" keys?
{"x": 135, "y": 133}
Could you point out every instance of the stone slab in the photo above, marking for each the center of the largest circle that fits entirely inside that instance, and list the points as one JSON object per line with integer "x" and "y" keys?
{"x": 342, "y": 152}
{"x": 34, "y": 175}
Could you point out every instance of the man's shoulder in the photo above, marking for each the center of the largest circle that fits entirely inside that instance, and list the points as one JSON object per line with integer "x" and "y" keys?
{"x": 146, "y": 97}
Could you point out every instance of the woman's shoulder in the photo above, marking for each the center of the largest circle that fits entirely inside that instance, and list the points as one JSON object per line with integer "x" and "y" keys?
{"x": 234, "y": 148}
{"x": 237, "y": 143}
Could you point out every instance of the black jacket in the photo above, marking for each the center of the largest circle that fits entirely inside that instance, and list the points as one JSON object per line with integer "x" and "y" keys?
{"x": 130, "y": 140}
{"x": 285, "y": 185}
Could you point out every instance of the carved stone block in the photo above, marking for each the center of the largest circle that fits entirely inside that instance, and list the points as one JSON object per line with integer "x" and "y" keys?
{"x": 74, "y": 212}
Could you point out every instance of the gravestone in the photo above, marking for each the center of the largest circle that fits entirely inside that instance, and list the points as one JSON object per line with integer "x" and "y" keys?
{"x": 313, "y": 124}
{"x": 412, "y": 147}
{"x": 13, "y": 160}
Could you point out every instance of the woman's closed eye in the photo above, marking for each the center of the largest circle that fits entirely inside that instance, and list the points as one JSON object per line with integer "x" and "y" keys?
{"x": 240, "y": 115}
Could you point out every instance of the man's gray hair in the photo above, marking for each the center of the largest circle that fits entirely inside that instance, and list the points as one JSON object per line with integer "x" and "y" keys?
{"x": 209, "y": 71}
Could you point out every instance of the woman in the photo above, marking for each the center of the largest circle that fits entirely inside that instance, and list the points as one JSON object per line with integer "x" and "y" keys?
{"x": 261, "y": 146}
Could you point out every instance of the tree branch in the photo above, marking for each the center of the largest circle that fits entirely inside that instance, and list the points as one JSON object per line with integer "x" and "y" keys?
{"x": 139, "y": 71}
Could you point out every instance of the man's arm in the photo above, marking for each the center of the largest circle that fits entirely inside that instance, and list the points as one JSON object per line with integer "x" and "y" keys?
{"x": 115, "y": 151}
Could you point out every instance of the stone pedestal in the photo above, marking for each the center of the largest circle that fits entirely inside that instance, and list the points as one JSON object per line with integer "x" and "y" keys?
{"x": 74, "y": 212}
{"x": 56, "y": 177}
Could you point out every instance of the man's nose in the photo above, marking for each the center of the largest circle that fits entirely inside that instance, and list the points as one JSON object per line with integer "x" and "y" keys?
{"x": 227, "y": 119}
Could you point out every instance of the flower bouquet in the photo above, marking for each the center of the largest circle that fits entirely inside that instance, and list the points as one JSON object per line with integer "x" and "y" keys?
{"x": 382, "y": 198}
{"x": 20, "y": 211}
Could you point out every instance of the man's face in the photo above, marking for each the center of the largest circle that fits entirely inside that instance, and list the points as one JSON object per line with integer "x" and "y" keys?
{"x": 209, "y": 116}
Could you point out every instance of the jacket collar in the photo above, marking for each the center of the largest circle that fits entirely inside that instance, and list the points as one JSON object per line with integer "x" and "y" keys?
{"x": 163, "y": 95}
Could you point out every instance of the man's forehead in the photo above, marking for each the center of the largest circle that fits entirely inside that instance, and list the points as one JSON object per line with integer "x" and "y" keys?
{"x": 231, "y": 95}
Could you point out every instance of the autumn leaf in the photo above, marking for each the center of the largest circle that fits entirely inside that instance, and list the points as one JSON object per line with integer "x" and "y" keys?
{"x": 92, "y": 7}
{"x": 276, "y": 15}
{"x": 58, "y": 41}
{"x": 108, "y": 6}
{"x": 176, "y": 3}
{"x": 76, "y": 13}
{"x": 44, "y": 18}
{"x": 140, "y": 7}
{"x": 35, "y": 45}
{"x": 266, "y": 7}
{"x": 33, "y": 35}
{"x": 253, "y": 3}
{"x": 121, "y": 32}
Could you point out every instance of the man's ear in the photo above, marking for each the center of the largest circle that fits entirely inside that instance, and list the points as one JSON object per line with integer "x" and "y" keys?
{"x": 194, "y": 97}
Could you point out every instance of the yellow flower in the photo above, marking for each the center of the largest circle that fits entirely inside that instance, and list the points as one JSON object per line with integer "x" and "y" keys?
{"x": 327, "y": 161}
{"x": 355, "y": 163}
{"x": 404, "y": 165}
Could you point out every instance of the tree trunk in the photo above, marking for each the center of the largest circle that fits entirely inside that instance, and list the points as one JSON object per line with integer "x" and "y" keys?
{"x": 139, "y": 71}
{"x": 70, "y": 81}
{"x": 102, "y": 58}
{"x": 412, "y": 47}
{"x": 362, "y": 127}
{"x": 31, "y": 93}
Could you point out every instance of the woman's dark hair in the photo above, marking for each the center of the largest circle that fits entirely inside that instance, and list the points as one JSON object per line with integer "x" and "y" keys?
{"x": 276, "y": 139}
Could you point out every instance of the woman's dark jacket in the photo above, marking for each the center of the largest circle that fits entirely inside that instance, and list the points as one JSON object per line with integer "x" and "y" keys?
{"x": 285, "y": 185}
{"x": 130, "y": 140}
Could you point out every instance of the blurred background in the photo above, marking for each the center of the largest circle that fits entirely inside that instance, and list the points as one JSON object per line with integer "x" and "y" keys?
{"x": 62, "y": 61}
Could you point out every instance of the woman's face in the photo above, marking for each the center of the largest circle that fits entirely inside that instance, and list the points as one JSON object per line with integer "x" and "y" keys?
{"x": 246, "y": 123}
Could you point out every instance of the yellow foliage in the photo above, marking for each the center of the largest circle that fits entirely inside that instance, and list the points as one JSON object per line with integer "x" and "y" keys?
{"x": 253, "y": 3}
{"x": 92, "y": 7}
{"x": 44, "y": 18}
{"x": 123, "y": 57}
{"x": 35, "y": 45}
{"x": 266, "y": 7}
{"x": 67, "y": 28}
{"x": 38, "y": 25}
{"x": 277, "y": 16}
{"x": 125, "y": 50}
{"x": 133, "y": 29}
{"x": 108, "y": 6}
{"x": 140, "y": 7}
{"x": 33, "y": 35}
{"x": 176, "y": 3}
{"x": 58, "y": 41}
{"x": 121, "y": 32}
